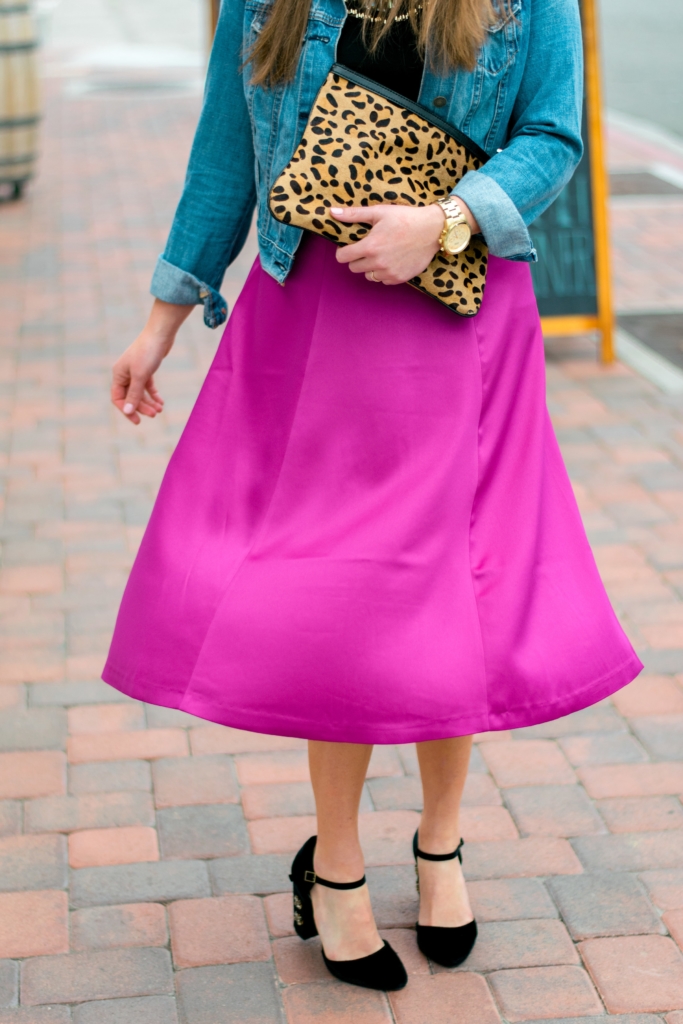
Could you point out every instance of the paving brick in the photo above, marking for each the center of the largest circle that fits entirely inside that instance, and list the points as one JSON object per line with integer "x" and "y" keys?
{"x": 169, "y": 718}
{"x": 402, "y": 793}
{"x": 32, "y": 862}
{"x": 110, "y": 777}
{"x": 102, "y": 846}
{"x": 510, "y": 899}
{"x": 81, "y": 977}
{"x": 280, "y": 835}
{"x": 262, "y": 769}
{"x": 632, "y": 780}
{"x": 634, "y": 851}
{"x": 299, "y": 962}
{"x": 642, "y": 814}
{"x": 649, "y": 695}
{"x": 11, "y": 696}
{"x": 10, "y": 817}
{"x": 636, "y": 974}
{"x": 628, "y": 1018}
{"x": 444, "y": 999}
{"x": 36, "y": 1015}
{"x": 9, "y": 984}
{"x": 599, "y": 718}
{"x": 479, "y": 824}
{"x": 146, "y": 1010}
{"x": 334, "y": 1003}
{"x": 231, "y": 994}
{"x": 404, "y": 942}
{"x": 394, "y": 895}
{"x": 480, "y": 791}
{"x": 673, "y": 919}
{"x": 138, "y": 883}
{"x": 199, "y": 832}
{"x": 33, "y": 729}
{"x": 665, "y": 888}
{"x": 528, "y": 993}
{"x": 506, "y": 944}
{"x": 89, "y": 810}
{"x": 259, "y": 874}
{"x": 278, "y": 908}
{"x": 603, "y": 748}
{"x": 278, "y": 800}
{"x": 661, "y": 735}
{"x": 98, "y": 718}
{"x": 220, "y": 930}
{"x": 33, "y": 923}
{"x": 674, "y": 1018}
{"x": 31, "y": 579}
{"x": 70, "y": 694}
{"x": 138, "y": 743}
{"x": 130, "y": 924}
{"x": 527, "y": 763}
{"x": 199, "y": 780}
{"x": 561, "y": 811}
{"x": 604, "y": 904}
{"x": 220, "y": 739}
{"x": 24, "y": 774}
{"x": 520, "y": 858}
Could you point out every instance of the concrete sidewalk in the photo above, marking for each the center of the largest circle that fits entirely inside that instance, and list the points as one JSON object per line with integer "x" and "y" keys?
{"x": 144, "y": 858}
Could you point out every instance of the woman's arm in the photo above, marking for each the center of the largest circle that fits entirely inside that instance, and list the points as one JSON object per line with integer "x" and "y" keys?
{"x": 133, "y": 390}
{"x": 214, "y": 214}
{"x": 544, "y": 144}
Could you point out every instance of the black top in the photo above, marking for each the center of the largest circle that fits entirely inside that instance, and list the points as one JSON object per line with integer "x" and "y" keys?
{"x": 395, "y": 64}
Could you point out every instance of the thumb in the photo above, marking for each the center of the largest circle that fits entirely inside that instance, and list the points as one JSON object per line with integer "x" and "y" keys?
{"x": 351, "y": 214}
{"x": 134, "y": 395}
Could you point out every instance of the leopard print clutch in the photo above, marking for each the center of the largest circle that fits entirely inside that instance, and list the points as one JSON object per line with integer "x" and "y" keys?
{"x": 365, "y": 144}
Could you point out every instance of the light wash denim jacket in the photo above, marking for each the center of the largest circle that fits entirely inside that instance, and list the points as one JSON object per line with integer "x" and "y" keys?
{"x": 522, "y": 104}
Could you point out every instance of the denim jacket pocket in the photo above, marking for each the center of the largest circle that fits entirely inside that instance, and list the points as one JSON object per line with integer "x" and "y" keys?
{"x": 502, "y": 42}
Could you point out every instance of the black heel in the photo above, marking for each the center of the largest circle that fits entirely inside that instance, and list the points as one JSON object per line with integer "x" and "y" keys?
{"x": 382, "y": 970}
{"x": 448, "y": 947}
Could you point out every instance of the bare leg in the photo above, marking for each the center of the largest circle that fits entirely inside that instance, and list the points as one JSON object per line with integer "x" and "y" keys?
{"x": 443, "y": 896}
{"x": 344, "y": 917}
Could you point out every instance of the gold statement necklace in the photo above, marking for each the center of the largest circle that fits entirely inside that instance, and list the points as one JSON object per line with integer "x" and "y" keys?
{"x": 379, "y": 12}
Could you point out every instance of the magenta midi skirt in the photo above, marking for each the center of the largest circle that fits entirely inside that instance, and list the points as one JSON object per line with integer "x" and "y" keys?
{"x": 367, "y": 533}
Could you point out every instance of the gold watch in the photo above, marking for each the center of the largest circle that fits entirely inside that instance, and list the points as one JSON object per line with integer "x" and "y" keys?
{"x": 456, "y": 232}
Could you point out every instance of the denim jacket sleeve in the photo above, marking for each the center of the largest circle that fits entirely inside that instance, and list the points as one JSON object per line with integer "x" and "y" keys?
{"x": 544, "y": 139}
{"x": 214, "y": 214}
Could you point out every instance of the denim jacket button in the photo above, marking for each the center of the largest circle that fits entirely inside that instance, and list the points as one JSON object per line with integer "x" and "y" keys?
{"x": 440, "y": 101}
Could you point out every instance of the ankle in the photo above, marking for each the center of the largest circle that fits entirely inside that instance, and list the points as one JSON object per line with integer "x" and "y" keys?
{"x": 438, "y": 836}
{"x": 339, "y": 863}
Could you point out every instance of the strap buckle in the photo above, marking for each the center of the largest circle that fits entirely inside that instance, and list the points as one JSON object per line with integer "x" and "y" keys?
{"x": 310, "y": 877}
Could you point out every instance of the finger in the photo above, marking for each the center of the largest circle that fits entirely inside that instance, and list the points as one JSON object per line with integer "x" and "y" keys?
{"x": 352, "y": 214}
{"x": 152, "y": 391}
{"x": 136, "y": 390}
{"x": 355, "y": 251}
{"x": 133, "y": 417}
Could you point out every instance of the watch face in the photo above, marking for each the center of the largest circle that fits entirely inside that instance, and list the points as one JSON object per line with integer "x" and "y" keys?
{"x": 458, "y": 238}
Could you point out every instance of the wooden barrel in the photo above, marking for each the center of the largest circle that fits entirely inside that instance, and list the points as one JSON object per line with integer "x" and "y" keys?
{"x": 19, "y": 96}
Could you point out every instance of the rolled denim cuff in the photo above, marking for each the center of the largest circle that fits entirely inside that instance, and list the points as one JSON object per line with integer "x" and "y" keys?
{"x": 500, "y": 221}
{"x": 171, "y": 284}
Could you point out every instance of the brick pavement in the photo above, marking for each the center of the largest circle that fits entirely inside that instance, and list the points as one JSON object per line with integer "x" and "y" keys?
{"x": 144, "y": 854}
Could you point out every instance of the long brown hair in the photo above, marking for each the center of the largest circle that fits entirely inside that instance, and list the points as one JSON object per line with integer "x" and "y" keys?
{"x": 456, "y": 30}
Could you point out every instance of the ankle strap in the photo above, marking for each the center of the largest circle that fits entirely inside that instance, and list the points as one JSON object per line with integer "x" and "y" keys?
{"x": 312, "y": 879}
{"x": 438, "y": 856}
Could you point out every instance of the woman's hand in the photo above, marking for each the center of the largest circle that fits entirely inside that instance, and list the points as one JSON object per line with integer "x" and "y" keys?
{"x": 402, "y": 242}
{"x": 133, "y": 390}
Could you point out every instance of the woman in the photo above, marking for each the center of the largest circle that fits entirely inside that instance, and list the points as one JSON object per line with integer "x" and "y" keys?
{"x": 366, "y": 533}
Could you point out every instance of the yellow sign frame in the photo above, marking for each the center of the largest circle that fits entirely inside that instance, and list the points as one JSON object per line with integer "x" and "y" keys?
{"x": 603, "y": 320}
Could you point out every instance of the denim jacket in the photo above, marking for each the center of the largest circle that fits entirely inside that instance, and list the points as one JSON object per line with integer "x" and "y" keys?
{"x": 521, "y": 103}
